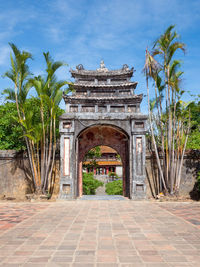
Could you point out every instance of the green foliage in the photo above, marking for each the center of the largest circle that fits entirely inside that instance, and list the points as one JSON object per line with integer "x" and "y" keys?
{"x": 113, "y": 175}
{"x": 194, "y": 137}
{"x": 194, "y": 140}
{"x": 90, "y": 184}
{"x": 114, "y": 188}
{"x": 38, "y": 119}
{"x": 92, "y": 155}
{"x": 118, "y": 157}
{"x": 10, "y": 130}
{"x": 11, "y": 134}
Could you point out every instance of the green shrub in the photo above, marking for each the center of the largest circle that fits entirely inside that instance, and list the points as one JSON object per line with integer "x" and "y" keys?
{"x": 90, "y": 184}
{"x": 114, "y": 188}
{"x": 113, "y": 175}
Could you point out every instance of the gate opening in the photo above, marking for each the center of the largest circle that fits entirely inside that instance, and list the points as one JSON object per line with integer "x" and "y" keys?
{"x": 102, "y": 172}
{"x": 97, "y": 140}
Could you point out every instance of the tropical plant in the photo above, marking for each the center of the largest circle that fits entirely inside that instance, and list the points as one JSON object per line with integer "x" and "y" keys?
{"x": 114, "y": 188}
{"x": 194, "y": 137}
{"x": 91, "y": 156}
{"x": 113, "y": 175}
{"x": 90, "y": 184}
{"x": 169, "y": 121}
{"x": 40, "y": 135}
{"x": 49, "y": 92}
{"x": 10, "y": 130}
{"x": 19, "y": 74}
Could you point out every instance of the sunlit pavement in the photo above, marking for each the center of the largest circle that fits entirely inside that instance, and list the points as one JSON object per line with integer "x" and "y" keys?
{"x": 100, "y": 233}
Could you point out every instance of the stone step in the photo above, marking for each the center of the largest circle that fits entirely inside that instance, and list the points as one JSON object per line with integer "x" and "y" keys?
{"x": 105, "y": 197}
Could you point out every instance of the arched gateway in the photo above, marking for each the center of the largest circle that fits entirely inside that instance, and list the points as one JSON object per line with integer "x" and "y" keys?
{"x": 103, "y": 111}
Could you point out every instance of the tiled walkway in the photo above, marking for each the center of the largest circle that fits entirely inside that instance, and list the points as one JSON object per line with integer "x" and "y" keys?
{"x": 101, "y": 233}
{"x": 184, "y": 211}
{"x": 10, "y": 215}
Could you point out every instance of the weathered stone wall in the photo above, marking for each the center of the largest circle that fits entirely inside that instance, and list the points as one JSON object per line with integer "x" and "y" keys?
{"x": 188, "y": 187}
{"x": 15, "y": 180}
{"x": 14, "y": 170}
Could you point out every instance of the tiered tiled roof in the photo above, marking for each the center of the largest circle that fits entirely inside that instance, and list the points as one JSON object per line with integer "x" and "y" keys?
{"x": 103, "y": 86}
{"x": 107, "y": 99}
{"x": 102, "y": 72}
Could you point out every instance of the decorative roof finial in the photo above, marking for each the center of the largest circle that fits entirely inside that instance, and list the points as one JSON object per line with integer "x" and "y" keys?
{"x": 102, "y": 67}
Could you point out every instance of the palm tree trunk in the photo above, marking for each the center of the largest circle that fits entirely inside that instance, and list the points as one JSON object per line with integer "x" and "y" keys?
{"x": 169, "y": 129}
{"x": 43, "y": 140}
{"x": 153, "y": 139}
{"x": 167, "y": 123}
{"x": 54, "y": 148}
{"x": 34, "y": 167}
{"x": 30, "y": 161}
{"x": 173, "y": 143}
{"x": 49, "y": 155}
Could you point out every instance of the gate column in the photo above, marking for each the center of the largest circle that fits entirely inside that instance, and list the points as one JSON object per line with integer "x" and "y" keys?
{"x": 139, "y": 157}
{"x": 67, "y": 154}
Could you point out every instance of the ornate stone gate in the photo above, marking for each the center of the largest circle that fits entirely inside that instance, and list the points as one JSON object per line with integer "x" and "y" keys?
{"x": 104, "y": 110}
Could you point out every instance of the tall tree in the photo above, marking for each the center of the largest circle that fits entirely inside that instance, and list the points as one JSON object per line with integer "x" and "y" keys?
{"x": 40, "y": 135}
{"x": 19, "y": 74}
{"x": 170, "y": 128}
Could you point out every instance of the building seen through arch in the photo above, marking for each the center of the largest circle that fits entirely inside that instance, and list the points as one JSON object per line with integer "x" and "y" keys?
{"x": 108, "y": 161}
{"x": 103, "y": 111}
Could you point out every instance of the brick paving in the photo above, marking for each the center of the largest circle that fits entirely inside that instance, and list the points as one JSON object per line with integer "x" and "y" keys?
{"x": 101, "y": 233}
{"x": 10, "y": 215}
{"x": 184, "y": 211}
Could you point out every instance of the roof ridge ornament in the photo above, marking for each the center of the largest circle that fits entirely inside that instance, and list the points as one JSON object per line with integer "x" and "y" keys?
{"x": 80, "y": 67}
{"x": 102, "y": 67}
{"x": 125, "y": 67}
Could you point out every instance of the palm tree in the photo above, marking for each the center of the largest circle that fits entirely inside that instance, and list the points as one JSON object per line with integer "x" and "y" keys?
{"x": 50, "y": 92}
{"x": 166, "y": 46}
{"x": 19, "y": 74}
{"x": 40, "y": 136}
{"x": 166, "y": 77}
{"x": 150, "y": 70}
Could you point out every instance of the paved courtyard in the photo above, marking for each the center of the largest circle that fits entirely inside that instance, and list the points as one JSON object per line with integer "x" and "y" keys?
{"x": 100, "y": 233}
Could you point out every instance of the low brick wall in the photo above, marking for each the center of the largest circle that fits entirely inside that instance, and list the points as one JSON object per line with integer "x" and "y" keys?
{"x": 15, "y": 175}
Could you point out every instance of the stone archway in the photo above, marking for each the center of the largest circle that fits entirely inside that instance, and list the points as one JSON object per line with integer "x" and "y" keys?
{"x": 103, "y": 110}
{"x": 107, "y": 135}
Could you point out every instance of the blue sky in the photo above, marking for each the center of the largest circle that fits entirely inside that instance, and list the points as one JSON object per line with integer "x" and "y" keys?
{"x": 86, "y": 31}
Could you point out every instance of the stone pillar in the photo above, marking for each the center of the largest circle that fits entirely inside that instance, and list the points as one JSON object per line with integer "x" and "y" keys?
{"x": 138, "y": 157}
{"x": 67, "y": 160}
{"x": 138, "y": 150}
